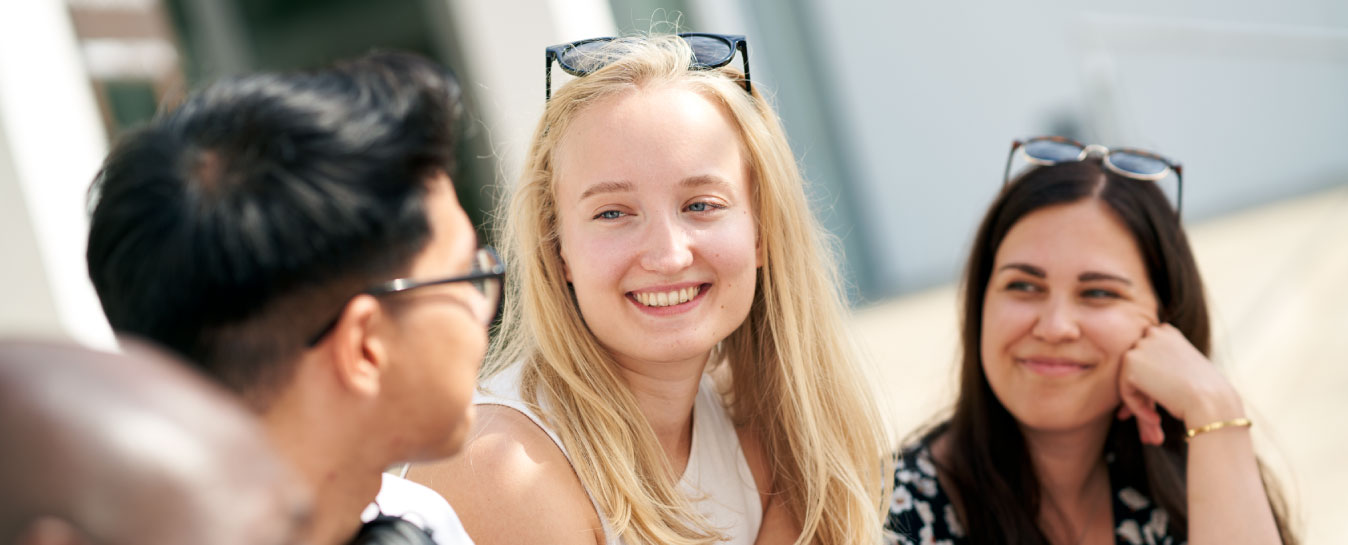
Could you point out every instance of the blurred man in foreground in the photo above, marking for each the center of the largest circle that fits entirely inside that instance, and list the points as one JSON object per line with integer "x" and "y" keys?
{"x": 108, "y": 449}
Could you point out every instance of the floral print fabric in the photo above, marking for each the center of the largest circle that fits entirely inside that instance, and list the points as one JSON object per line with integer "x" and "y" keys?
{"x": 920, "y": 512}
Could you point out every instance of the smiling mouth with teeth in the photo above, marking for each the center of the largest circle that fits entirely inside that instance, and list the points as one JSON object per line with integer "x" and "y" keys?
{"x": 670, "y": 298}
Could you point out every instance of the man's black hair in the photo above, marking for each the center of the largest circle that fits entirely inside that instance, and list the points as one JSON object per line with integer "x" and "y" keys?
{"x": 232, "y": 227}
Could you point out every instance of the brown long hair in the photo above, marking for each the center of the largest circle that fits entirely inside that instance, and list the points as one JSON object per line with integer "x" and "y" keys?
{"x": 988, "y": 465}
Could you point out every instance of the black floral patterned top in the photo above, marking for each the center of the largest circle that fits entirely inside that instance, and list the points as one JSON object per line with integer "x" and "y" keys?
{"x": 920, "y": 512}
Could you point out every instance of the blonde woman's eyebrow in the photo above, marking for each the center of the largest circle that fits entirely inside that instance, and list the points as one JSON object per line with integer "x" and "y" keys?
{"x": 704, "y": 179}
{"x": 606, "y": 187}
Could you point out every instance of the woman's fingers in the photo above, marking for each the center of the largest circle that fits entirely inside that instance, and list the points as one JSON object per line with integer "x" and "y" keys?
{"x": 1143, "y": 408}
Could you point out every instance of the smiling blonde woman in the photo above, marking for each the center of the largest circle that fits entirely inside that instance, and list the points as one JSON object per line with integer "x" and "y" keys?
{"x": 660, "y": 237}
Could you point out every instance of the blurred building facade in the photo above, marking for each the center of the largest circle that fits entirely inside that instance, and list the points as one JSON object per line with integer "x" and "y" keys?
{"x": 900, "y": 112}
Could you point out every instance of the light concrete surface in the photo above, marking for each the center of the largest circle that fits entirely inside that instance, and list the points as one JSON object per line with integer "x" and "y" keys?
{"x": 1277, "y": 285}
{"x": 52, "y": 143}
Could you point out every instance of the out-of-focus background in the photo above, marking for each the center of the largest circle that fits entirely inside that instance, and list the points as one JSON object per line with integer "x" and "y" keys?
{"x": 901, "y": 114}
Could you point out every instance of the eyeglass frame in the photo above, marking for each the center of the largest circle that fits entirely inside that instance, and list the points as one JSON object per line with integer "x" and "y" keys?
{"x": 1105, "y": 153}
{"x": 406, "y": 284}
{"x": 737, "y": 43}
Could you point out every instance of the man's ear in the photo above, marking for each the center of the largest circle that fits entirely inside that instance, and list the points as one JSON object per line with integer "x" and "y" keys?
{"x": 359, "y": 355}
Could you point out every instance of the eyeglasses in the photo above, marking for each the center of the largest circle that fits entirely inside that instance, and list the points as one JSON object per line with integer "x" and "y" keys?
{"x": 1127, "y": 162}
{"x": 487, "y": 275}
{"x": 584, "y": 57}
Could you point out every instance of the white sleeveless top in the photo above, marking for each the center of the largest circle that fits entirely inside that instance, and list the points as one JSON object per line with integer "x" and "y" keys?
{"x": 421, "y": 506}
{"x": 717, "y": 478}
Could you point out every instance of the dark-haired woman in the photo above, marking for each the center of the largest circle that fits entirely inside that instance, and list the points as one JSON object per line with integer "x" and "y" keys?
{"x": 1088, "y": 411}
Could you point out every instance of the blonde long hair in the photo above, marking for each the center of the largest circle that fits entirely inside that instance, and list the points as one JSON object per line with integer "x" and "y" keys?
{"x": 793, "y": 377}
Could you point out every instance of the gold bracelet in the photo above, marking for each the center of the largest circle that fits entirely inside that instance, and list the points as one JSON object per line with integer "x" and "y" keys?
{"x": 1236, "y": 422}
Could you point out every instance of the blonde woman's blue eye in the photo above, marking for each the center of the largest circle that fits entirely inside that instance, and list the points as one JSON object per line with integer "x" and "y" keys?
{"x": 703, "y": 206}
{"x": 608, "y": 215}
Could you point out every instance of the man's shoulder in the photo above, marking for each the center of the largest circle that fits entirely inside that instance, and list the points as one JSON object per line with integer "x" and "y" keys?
{"x": 420, "y": 505}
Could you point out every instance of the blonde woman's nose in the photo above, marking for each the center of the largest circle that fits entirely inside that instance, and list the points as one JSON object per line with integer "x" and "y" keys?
{"x": 667, "y": 247}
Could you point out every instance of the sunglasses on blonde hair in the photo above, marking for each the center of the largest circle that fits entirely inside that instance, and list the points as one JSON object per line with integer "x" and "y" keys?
{"x": 583, "y": 57}
{"x": 1137, "y": 164}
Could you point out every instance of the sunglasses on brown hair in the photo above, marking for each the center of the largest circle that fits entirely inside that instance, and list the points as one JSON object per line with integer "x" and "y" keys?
{"x": 1134, "y": 163}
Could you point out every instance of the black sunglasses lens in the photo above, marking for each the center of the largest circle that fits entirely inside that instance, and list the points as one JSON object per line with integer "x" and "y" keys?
{"x": 710, "y": 51}
{"x": 1052, "y": 151}
{"x": 584, "y": 58}
{"x": 1141, "y": 165}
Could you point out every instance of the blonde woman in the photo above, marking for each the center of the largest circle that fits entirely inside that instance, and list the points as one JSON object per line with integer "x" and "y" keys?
{"x": 660, "y": 237}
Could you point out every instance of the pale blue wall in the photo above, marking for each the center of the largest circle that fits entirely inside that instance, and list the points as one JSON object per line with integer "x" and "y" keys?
{"x": 903, "y": 111}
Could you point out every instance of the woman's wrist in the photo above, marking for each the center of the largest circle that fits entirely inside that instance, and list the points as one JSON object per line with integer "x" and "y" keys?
{"x": 1222, "y": 424}
{"x": 1213, "y": 405}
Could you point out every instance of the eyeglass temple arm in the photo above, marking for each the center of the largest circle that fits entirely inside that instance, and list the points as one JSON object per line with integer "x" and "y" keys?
{"x": 1006, "y": 173}
{"x": 547, "y": 75}
{"x": 1179, "y": 189}
{"x": 744, "y": 56}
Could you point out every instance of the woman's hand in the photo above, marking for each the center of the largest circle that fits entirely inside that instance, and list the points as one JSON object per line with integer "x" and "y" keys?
{"x": 1226, "y": 498}
{"x": 1163, "y": 367}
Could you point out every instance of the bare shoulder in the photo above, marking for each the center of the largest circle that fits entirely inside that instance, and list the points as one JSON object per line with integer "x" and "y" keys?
{"x": 940, "y": 449}
{"x": 757, "y": 458}
{"x": 778, "y": 525}
{"x": 940, "y": 454}
{"x": 512, "y": 484}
